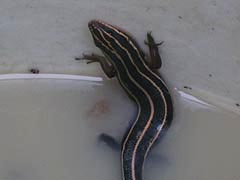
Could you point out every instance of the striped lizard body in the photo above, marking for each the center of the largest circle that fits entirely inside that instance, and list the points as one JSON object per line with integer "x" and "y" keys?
{"x": 124, "y": 59}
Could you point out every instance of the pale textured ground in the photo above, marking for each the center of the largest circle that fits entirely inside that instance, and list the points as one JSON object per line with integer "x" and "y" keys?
{"x": 202, "y": 38}
{"x": 49, "y": 128}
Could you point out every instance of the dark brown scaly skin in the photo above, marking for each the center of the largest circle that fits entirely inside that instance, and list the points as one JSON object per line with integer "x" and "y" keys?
{"x": 126, "y": 61}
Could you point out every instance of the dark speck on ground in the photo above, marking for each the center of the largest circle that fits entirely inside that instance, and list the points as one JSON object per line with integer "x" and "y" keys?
{"x": 34, "y": 70}
{"x": 187, "y": 87}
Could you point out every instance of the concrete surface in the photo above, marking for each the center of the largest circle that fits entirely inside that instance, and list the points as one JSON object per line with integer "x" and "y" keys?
{"x": 201, "y": 49}
{"x": 49, "y": 129}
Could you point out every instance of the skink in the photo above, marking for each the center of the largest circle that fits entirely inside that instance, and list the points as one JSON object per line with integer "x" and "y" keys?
{"x": 124, "y": 59}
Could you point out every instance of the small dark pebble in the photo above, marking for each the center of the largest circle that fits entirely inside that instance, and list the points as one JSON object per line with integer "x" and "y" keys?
{"x": 34, "y": 71}
{"x": 237, "y": 104}
{"x": 210, "y": 75}
{"x": 187, "y": 87}
{"x": 179, "y": 17}
{"x": 212, "y": 28}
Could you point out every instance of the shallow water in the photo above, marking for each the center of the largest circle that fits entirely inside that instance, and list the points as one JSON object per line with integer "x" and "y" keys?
{"x": 49, "y": 130}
